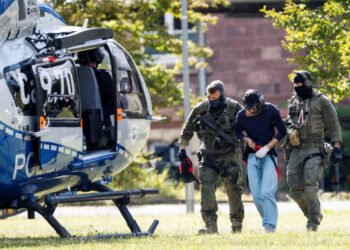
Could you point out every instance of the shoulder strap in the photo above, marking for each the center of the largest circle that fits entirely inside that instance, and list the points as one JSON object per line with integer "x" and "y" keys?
{"x": 231, "y": 105}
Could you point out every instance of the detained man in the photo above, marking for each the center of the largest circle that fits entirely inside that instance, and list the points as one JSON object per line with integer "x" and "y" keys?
{"x": 256, "y": 126}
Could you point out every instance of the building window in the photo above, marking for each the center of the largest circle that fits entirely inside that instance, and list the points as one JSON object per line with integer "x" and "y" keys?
{"x": 174, "y": 27}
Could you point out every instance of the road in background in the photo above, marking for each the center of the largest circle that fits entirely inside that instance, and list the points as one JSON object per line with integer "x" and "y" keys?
{"x": 180, "y": 209}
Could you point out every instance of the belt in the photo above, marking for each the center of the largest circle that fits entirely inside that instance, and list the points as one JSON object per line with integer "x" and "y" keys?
{"x": 213, "y": 152}
{"x": 310, "y": 145}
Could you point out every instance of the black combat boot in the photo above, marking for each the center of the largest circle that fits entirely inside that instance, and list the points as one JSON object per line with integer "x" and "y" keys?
{"x": 211, "y": 226}
{"x": 207, "y": 231}
{"x": 312, "y": 226}
{"x": 236, "y": 226}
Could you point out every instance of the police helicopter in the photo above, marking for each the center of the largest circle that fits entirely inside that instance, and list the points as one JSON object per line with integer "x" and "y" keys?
{"x": 60, "y": 130}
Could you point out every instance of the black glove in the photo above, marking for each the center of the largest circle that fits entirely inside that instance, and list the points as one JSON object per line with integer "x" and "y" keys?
{"x": 182, "y": 154}
{"x": 336, "y": 156}
{"x": 186, "y": 170}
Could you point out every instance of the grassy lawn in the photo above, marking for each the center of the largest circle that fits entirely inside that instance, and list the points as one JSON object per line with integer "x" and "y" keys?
{"x": 179, "y": 232}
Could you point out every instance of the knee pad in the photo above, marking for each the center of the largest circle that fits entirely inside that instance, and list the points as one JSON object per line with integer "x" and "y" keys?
{"x": 296, "y": 194}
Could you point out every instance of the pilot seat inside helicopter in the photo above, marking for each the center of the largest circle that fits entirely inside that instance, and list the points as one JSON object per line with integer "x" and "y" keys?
{"x": 96, "y": 109}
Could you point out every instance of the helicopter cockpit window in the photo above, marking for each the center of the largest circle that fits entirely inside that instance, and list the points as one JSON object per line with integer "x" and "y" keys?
{"x": 21, "y": 83}
{"x": 124, "y": 81}
{"x": 131, "y": 98}
{"x": 58, "y": 90}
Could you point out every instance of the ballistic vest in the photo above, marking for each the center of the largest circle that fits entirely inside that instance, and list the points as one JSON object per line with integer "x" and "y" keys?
{"x": 225, "y": 120}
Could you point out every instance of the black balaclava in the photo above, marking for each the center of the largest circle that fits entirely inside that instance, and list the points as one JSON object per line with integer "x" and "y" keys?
{"x": 303, "y": 91}
{"x": 217, "y": 104}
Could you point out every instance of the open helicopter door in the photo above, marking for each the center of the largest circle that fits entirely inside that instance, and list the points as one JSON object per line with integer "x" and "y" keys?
{"x": 97, "y": 80}
{"x": 58, "y": 113}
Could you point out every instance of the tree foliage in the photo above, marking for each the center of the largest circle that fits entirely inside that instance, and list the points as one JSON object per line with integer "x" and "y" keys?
{"x": 319, "y": 41}
{"x": 137, "y": 25}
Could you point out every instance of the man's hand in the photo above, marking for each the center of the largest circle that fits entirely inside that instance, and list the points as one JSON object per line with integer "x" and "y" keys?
{"x": 336, "y": 156}
{"x": 262, "y": 152}
{"x": 250, "y": 142}
{"x": 272, "y": 143}
{"x": 182, "y": 154}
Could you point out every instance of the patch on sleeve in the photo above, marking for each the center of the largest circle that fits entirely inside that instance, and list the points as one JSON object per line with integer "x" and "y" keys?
{"x": 331, "y": 108}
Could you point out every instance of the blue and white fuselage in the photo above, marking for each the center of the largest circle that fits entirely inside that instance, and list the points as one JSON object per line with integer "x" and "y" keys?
{"x": 42, "y": 144}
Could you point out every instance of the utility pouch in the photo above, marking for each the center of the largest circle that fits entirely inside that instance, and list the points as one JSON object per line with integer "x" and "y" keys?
{"x": 328, "y": 150}
{"x": 293, "y": 136}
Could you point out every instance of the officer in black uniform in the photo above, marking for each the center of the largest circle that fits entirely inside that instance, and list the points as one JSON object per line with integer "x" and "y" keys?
{"x": 105, "y": 83}
{"x": 93, "y": 58}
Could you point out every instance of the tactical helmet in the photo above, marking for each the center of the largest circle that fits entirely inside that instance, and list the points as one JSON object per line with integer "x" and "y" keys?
{"x": 303, "y": 76}
{"x": 252, "y": 99}
{"x": 94, "y": 55}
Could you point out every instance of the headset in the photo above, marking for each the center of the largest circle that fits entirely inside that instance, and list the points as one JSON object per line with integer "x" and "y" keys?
{"x": 250, "y": 92}
{"x": 307, "y": 77}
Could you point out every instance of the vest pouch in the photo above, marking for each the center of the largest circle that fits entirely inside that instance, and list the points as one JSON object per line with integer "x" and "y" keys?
{"x": 293, "y": 136}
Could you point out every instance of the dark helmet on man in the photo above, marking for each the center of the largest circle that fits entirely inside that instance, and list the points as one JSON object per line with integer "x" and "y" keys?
{"x": 252, "y": 99}
{"x": 95, "y": 55}
{"x": 214, "y": 86}
{"x": 305, "y": 90}
{"x": 304, "y": 77}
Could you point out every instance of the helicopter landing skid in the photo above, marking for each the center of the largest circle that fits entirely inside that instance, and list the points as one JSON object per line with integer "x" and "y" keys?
{"x": 120, "y": 198}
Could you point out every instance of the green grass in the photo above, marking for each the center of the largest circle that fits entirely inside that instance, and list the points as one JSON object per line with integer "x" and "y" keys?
{"x": 179, "y": 232}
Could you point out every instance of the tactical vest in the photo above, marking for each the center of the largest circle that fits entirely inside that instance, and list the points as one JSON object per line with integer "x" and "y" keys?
{"x": 306, "y": 117}
{"x": 211, "y": 142}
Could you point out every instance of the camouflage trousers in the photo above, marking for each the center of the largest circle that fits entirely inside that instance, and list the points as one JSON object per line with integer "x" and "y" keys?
{"x": 228, "y": 168}
{"x": 303, "y": 181}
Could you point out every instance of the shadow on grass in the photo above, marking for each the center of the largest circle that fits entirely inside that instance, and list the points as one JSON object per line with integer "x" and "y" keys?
{"x": 6, "y": 243}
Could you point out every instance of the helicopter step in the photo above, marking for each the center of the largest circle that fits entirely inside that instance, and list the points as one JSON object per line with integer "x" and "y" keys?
{"x": 120, "y": 198}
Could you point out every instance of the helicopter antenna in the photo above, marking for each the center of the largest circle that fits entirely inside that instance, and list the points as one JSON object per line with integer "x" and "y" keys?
{"x": 85, "y": 24}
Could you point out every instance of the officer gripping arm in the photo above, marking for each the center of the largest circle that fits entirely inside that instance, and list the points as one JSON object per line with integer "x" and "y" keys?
{"x": 214, "y": 120}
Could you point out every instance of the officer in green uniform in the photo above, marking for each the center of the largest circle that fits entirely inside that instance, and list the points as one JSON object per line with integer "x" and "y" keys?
{"x": 217, "y": 156}
{"x": 310, "y": 113}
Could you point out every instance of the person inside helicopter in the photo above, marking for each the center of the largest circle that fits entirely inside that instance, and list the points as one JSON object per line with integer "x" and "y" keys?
{"x": 93, "y": 58}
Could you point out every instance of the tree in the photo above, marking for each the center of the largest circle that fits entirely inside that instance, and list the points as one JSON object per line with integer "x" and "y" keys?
{"x": 137, "y": 24}
{"x": 319, "y": 41}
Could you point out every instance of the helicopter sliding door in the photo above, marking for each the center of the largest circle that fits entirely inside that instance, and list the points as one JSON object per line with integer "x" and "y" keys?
{"x": 58, "y": 113}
